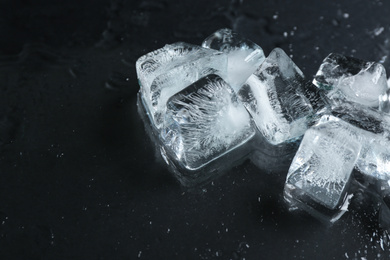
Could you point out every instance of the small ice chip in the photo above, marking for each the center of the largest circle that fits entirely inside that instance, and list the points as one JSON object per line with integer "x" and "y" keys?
{"x": 205, "y": 121}
{"x": 168, "y": 70}
{"x": 351, "y": 79}
{"x": 244, "y": 56}
{"x": 274, "y": 96}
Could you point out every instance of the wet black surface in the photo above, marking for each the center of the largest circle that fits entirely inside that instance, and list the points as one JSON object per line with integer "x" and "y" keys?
{"x": 79, "y": 178}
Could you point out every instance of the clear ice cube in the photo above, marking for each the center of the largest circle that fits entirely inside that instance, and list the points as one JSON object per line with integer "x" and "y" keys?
{"x": 205, "y": 121}
{"x": 244, "y": 56}
{"x": 352, "y": 79}
{"x": 323, "y": 164}
{"x": 371, "y": 129}
{"x": 168, "y": 70}
{"x": 274, "y": 97}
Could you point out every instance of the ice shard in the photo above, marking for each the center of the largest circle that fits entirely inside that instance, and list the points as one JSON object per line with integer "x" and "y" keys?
{"x": 204, "y": 122}
{"x": 168, "y": 70}
{"x": 244, "y": 56}
{"x": 352, "y": 79}
{"x": 275, "y": 98}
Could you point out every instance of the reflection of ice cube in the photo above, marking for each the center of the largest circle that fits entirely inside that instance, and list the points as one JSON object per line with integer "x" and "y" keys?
{"x": 274, "y": 97}
{"x": 324, "y": 162}
{"x": 352, "y": 79}
{"x": 205, "y": 121}
{"x": 166, "y": 71}
{"x": 244, "y": 56}
{"x": 384, "y": 213}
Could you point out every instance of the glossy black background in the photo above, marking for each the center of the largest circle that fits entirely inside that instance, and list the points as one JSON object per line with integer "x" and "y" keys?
{"x": 79, "y": 178}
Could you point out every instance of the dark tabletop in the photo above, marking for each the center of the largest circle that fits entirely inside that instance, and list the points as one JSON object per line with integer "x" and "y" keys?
{"x": 79, "y": 176}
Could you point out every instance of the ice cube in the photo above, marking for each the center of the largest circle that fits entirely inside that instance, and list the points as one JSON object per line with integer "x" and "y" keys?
{"x": 322, "y": 167}
{"x": 244, "y": 56}
{"x": 352, "y": 79}
{"x": 274, "y": 97}
{"x": 371, "y": 129}
{"x": 166, "y": 71}
{"x": 205, "y": 121}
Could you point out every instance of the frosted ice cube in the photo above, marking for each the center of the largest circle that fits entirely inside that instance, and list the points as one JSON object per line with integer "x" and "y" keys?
{"x": 274, "y": 97}
{"x": 352, "y": 79}
{"x": 205, "y": 121}
{"x": 323, "y": 164}
{"x": 244, "y": 56}
{"x": 166, "y": 71}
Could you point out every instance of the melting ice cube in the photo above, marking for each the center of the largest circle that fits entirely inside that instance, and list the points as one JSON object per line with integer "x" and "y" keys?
{"x": 322, "y": 167}
{"x": 352, "y": 79}
{"x": 274, "y": 97}
{"x": 166, "y": 71}
{"x": 205, "y": 121}
{"x": 244, "y": 56}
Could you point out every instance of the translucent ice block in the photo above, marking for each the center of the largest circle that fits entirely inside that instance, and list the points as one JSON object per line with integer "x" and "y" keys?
{"x": 168, "y": 70}
{"x": 244, "y": 56}
{"x": 205, "y": 121}
{"x": 274, "y": 97}
{"x": 322, "y": 167}
{"x": 371, "y": 129}
{"x": 352, "y": 79}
